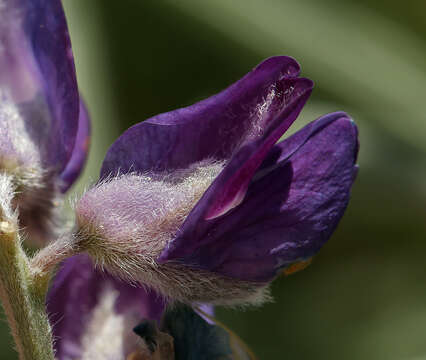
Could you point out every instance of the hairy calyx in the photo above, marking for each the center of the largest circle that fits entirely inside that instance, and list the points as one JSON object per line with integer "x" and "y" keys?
{"x": 126, "y": 221}
{"x": 141, "y": 212}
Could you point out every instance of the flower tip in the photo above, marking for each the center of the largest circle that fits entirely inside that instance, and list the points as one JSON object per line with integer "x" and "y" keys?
{"x": 290, "y": 66}
{"x": 349, "y": 126}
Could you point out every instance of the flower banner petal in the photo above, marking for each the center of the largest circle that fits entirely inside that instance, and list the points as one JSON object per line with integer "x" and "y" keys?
{"x": 212, "y": 128}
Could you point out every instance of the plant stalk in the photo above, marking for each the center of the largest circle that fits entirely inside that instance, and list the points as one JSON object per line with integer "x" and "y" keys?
{"x": 22, "y": 295}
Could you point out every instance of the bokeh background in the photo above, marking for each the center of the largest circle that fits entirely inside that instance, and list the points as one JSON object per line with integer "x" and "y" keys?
{"x": 364, "y": 296}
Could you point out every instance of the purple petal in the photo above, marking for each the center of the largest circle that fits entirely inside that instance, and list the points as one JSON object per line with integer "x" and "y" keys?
{"x": 47, "y": 31}
{"x": 79, "y": 154}
{"x": 37, "y": 72}
{"x": 76, "y": 291}
{"x": 291, "y": 208}
{"x": 213, "y": 128}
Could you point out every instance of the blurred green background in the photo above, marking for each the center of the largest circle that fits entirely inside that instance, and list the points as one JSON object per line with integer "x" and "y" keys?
{"x": 364, "y": 296}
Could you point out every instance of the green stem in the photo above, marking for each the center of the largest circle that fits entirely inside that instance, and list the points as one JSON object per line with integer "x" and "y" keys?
{"x": 22, "y": 294}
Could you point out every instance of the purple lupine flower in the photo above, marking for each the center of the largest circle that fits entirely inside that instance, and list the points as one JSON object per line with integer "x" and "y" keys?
{"x": 44, "y": 125}
{"x": 203, "y": 204}
{"x": 95, "y": 316}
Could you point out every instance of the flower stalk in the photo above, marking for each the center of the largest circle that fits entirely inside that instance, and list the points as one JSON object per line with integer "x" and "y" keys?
{"x": 21, "y": 293}
{"x": 44, "y": 262}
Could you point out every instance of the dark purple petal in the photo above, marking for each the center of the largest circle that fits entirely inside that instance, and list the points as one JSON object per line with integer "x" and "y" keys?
{"x": 37, "y": 73}
{"x": 76, "y": 291}
{"x": 79, "y": 154}
{"x": 291, "y": 208}
{"x": 213, "y": 128}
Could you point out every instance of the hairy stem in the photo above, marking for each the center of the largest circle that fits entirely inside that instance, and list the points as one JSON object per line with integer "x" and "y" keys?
{"x": 22, "y": 296}
{"x": 47, "y": 259}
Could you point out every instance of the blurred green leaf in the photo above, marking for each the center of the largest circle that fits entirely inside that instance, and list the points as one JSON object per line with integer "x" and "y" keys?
{"x": 358, "y": 56}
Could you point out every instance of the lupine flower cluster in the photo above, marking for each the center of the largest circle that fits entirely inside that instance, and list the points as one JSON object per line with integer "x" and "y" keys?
{"x": 200, "y": 206}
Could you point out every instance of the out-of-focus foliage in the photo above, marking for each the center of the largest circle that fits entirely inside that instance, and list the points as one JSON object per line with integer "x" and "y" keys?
{"x": 364, "y": 296}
